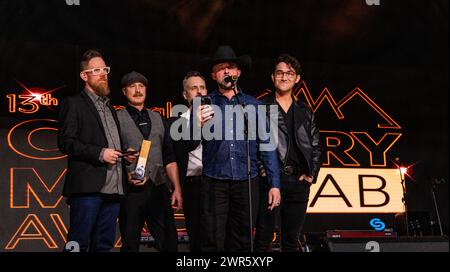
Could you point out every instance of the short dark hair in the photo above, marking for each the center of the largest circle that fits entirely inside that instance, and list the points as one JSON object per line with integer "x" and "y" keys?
{"x": 189, "y": 75}
{"x": 87, "y": 56}
{"x": 292, "y": 61}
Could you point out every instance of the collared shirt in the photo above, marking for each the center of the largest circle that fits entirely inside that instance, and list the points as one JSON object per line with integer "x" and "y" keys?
{"x": 144, "y": 123}
{"x": 113, "y": 183}
{"x": 195, "y": 165}
{"x": 227, "y": 158}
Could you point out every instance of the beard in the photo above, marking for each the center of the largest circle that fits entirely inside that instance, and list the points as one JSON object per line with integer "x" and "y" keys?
{"x": 225, "y": 85}
{"x": 101, "y": 88}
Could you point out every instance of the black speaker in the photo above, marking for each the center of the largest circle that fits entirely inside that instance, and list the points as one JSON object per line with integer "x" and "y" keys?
{"x": 387, "y": 244}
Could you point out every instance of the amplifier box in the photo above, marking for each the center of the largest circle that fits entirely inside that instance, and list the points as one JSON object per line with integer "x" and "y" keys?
{"x": 387, "y": 244}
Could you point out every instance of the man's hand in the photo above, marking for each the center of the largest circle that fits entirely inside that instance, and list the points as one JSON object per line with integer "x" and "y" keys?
{"x": 111, "y": 156}
{"x": 131, "y": 158}
{"x": 178, "y": 199}
{"x": 274, "y": 198}
{"x": 204, "y": 114}
{"x": 309, "y": 179}
{"x": 136, "y": 182}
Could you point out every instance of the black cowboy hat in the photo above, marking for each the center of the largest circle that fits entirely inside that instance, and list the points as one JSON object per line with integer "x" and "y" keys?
{"x": 225, "y": 53}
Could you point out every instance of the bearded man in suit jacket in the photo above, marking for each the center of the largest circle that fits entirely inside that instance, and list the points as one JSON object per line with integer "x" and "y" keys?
{"x": 89, "y": 135}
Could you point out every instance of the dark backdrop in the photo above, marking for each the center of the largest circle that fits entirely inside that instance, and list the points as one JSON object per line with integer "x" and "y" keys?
{"x": 397, "y": 53}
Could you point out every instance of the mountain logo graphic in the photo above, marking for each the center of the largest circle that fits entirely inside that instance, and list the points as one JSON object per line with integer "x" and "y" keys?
{"x": 325, "y": 95}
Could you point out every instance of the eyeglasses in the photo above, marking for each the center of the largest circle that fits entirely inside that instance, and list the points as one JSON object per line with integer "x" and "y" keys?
{"x": 289, "y": 74}
{"x": 98, "y": 71}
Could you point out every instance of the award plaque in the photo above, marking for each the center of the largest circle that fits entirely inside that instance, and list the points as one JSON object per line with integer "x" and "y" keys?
{"x": 139, "y": 172}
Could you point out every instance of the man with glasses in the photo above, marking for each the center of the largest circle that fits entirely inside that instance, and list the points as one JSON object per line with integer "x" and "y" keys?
{"x": 89, "y": 135}
{"x": 299, "y": 153}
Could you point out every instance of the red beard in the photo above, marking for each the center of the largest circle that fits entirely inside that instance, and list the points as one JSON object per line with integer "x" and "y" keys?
{"x": 101, "y": 88}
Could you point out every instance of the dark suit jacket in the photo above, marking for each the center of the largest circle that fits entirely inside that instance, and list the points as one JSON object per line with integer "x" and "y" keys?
{"x": 182, "y": 149}
{"x": 82, "y": 137}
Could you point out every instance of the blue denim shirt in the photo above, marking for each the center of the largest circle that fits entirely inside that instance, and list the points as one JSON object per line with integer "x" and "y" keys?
{"x": 227, "y": 158}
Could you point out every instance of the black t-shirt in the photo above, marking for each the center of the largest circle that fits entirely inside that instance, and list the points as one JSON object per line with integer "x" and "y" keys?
{"x": 144, "y": 123}
{"x": 295, "y": 156}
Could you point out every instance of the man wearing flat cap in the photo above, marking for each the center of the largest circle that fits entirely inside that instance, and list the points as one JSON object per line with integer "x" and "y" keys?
{"x": 148, "y": 200}
{"x": 225, "y": 183}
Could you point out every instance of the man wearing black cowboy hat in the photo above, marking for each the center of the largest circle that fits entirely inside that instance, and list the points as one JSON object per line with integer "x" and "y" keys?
{"x": 225, "y": 192}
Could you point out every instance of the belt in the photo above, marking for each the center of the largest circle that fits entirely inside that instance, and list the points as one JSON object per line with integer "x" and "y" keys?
{"x": 193, "y": 177}
{"x": 291, "y": 170}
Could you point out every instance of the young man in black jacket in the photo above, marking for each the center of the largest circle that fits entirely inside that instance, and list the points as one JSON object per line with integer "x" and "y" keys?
{"x": 299, "y": 153}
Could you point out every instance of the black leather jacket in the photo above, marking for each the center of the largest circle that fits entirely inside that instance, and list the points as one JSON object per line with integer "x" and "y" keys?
{"x": 306, "y": 137}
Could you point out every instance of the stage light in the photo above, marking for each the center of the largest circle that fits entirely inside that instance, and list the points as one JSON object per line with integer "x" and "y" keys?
{"x": 404, "y": 170}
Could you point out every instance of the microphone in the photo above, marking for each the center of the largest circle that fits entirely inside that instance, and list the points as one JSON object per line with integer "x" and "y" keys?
{"x": 231, "y": 79}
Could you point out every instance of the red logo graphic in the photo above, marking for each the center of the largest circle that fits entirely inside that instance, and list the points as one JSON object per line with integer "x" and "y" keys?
{"x": 31, "y": 99}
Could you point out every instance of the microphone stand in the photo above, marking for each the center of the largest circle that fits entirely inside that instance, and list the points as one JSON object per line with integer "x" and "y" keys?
{"x": 402, "y": 176}
{"x": 434, "y": 185}
{"x": 248, "y": 165}
{"x": 398, "y": 165}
